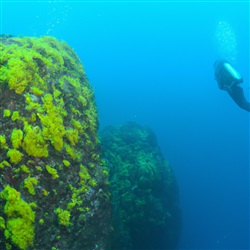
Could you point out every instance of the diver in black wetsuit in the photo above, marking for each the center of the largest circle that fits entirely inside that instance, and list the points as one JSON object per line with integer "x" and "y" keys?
{"x": 229, "y": 79}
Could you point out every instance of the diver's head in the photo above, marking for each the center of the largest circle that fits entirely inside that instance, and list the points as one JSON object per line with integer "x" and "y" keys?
{"x": 216, "y": 63}
{"x": 226, "y": 75}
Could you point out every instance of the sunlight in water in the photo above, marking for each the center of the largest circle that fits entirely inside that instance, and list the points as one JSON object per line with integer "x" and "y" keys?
{"x": 226, "y": 41}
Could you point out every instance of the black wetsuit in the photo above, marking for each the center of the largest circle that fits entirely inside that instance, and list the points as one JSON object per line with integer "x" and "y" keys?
{"x": 238, "y": 96}
{"x": 226, "y": 81}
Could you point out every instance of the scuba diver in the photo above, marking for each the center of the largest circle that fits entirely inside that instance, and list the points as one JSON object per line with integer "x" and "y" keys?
{"x": 229, "y": 79}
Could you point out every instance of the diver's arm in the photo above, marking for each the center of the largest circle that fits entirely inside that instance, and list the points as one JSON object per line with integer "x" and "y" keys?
{"x": 238, "y": 96}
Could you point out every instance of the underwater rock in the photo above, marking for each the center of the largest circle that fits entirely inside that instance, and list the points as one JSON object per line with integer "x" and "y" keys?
{"x": 145, "y": 200}
{"x": 53, "y": 183}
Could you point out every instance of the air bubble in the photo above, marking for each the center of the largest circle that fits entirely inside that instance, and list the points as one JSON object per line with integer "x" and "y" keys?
{"x": 226, "y": 41}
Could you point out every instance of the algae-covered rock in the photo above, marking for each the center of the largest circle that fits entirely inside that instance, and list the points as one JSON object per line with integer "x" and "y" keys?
{"x": 52, "y": 180}
{"x": 145, "y": 205}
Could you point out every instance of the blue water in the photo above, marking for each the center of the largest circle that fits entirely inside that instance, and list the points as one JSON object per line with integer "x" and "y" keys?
{"x": 151, "y": 62}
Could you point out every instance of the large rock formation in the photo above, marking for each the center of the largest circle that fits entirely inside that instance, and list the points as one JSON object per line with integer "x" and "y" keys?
{"x": 145, "y": 204}
{"x": 52, "y": 180}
